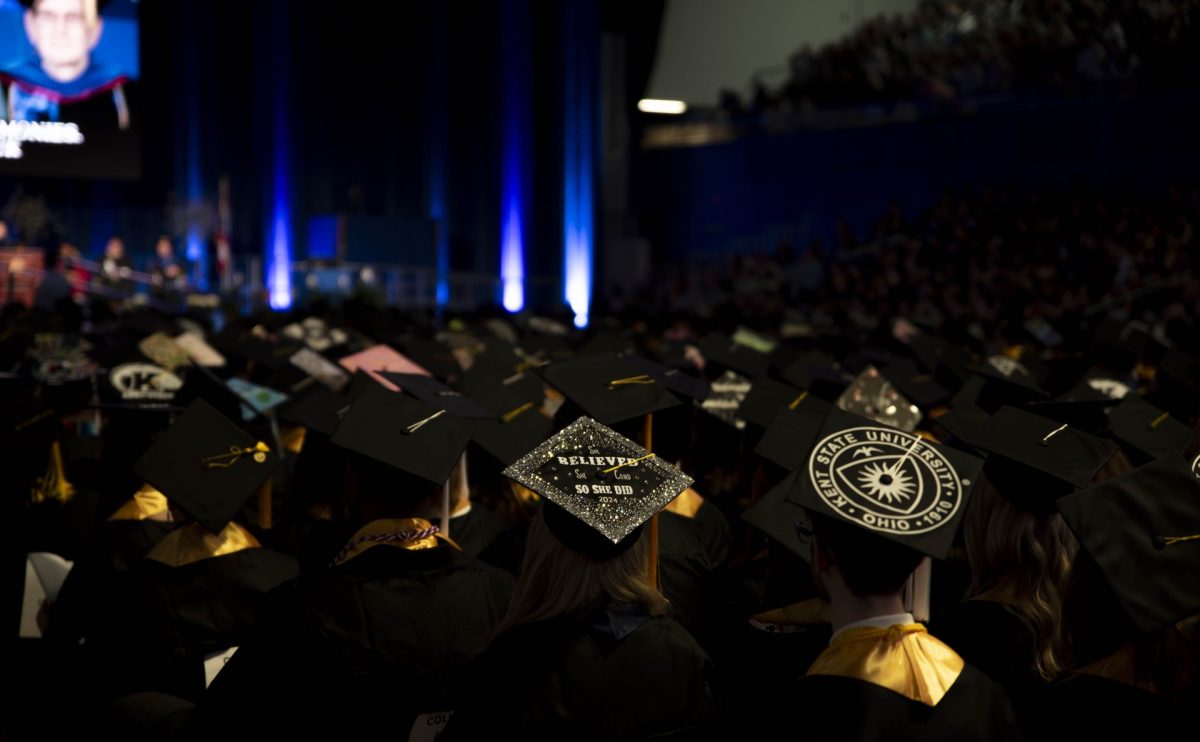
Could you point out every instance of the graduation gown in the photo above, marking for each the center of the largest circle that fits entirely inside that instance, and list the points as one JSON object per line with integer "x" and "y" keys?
{"x": 364, "y": 646}
{"x": 895, "y": 683}
{"x": 609, "y": 675}
{"x": 1095, "y": 707}
{"x": 184, "y": 601}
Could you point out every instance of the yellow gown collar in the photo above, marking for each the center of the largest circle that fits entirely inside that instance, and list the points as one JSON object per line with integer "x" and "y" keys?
{"x": 903, "y": 658}
{"x": 194, "y": 543}
{"x": 382, "y": 533}
{"x": 145, "y": 504}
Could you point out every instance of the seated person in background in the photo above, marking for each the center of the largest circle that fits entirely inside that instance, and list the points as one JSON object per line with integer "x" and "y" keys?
{"x": 167, "y": 272}
{"x": 115, "y": 267}
{"x": 54, "y": 288}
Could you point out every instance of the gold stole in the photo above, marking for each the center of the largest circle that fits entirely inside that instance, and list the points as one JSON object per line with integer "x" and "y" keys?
{"x": 385, "y": 527}
{"x": 54, "y": 486}
{"x": 687, "y": 504}
{"x": 903, "y": 658}
{"x": 146, "y": 503}
{"x": 194, "y": 542}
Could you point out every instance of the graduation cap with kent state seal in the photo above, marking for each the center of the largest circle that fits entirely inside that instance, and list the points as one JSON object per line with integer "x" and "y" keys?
{"x": 898, "y": 485}
{"x": 599, "y": 486}
{"x": 207, "y": 465}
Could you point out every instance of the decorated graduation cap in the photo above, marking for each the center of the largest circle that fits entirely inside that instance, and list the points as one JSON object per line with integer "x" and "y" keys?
{"x": 379, "y": 358}
{"x": 315, "y": 333}
{"x": 1147, "y": 432}
{"x": 1142, "y": 530}
{"x": 138, "y": 383}
{"x": 207, "y": 465}
{"x": 725, "y": 397}
{"x": 256, "y": 398}
{"x": 872, "y": 396}
{"x": 608, "y": 388}
{"x": 898, "y": 485}
{"x": 1033, "y": 460}
{"x": 403, "y": 433}
{"x": 320, "y": 369}
{"x": 601, "y": 487}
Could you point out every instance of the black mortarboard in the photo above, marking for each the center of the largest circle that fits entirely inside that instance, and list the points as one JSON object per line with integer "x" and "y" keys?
{"x": 677, "y": 381}
{"x": 1088, "y": 415}
{"x": 898, "y": 485}
{"x": 201, "y": 383}
{"x": 765, "y": 398}
{"x": 791, "y": 434}
{"x": 963, "y": 423}
{"x": 603, "y": 485}
{"x": 207, "y": 465}
{"x": 945, "y": 361}
{"x": 437, "y": 395}
{"x": 318, "y": 410}
{"x": 403, "y": 433}
{"x": 1147, "y": 432}
{"x": 872, "y": 396}
{"x": 1178, "y": 384}
{"x": 818, "y": 374}
{"x": 1007, "y": 381}
{"x": 722, "y": 351}
{"x": 517, "y": 427}
{"x": 725, "y": 397}
{"x": 918, "y": 385}
{"x": 1142, "y": 530}
{"x": 777, "y": 516}
{"x": 608, "y": 388}
{"x": 1034, "y": 460}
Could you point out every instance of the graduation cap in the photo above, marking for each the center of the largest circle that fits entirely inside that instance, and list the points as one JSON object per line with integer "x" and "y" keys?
{"x": 256, "y": 399}
{"x": 945, "y": 361}
{"x": 1088, "y": 415}
{"x": 918, "y": 385}
{"x": 961, "y": 423}
{"x": 515, "y": 427}
{"x": 1148, "y": 432}
{"x": 792, "y": 432}
{"x": 139, "y": 383}
{"x": 199, "y": 351}
{"x": 379, "y": 358}
{"x": 819, "y": 374}
{"x": 320, "y": 410}
{"x": 765, "y": 398}
{"x": 207, "y": 465}
{"x": 1008, "y": 381}
{"x": 872, "y": 396}
{"x": 403, "y": 433}
{"x": 315, "y": 333}
{"x": 437, "y": 395}
{"x": 201, "y": 383}
{"x": 608, "y": 387}
{"x": 163, "y": 350}
{"x": 320, "y": 368}
{"x": 776, "y": 516}
{"x": 677, "y": 381}
{"x": 722, "y": 351}
{"x": 1142, "y": 530}
{"x": 1098, "y": 387}
{"x": 725, "y": 397}
{"x": 1033, "y": 460}
{"x": 898, "y": 485}
{"x": 600, "y": 486}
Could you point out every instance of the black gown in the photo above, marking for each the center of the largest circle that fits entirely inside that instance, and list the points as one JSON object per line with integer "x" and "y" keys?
{"x": 1094, "y": 707}
{"x": 365, "y": 646}
{"x": 608, "y": 676}
{"x": 829, "y": 708}
{"x": 161, "y": 621}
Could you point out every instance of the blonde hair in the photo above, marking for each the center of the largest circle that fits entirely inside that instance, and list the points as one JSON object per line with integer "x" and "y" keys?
{"x": 557, "y": 580}
{"x": 1024, "y": 560}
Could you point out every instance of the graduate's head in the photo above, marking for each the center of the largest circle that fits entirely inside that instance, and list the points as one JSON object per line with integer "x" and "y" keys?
{"x": 114, "y": 248}
{"x": 866, "y": 564}
{"x": 163, "y": 248}
{"x": 63, "y": 32}
{"x": 377, "y": 490}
